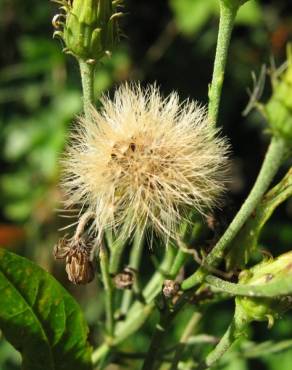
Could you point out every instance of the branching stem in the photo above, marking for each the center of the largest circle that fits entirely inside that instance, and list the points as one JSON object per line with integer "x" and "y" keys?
{"x": 274, "y": 158}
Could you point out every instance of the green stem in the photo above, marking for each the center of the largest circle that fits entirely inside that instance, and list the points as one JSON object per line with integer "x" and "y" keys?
{"x": 274, "y": 158}
{"x": 227, "y": 18}
{"x": 153, "y": 287}
{"x": 87, "y": 78}
{"x": 108, "y": 287}
{"x": 116, "y": 253}
{"x": 275, "y": 288}
{"x": 138, "y": 313}
{"x": 234, "y": 331}
{"x": 134, "y": 263}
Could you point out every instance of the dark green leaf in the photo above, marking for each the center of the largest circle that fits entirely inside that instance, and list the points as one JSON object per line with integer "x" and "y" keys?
{"x": 40, "y": 318}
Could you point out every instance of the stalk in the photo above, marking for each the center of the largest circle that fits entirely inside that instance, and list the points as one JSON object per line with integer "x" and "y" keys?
{"x": 108, "y": 287}
{"x": 134, "y": 263}
{"x": 235, "y": 330}
{"x": 116, "y": 253}
{"x": 87, "y": 79}
{"x": 273, "y": 160}
{"x": 226, "y": 24}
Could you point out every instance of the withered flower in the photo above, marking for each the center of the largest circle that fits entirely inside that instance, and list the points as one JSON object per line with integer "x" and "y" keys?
{"x": 77, "y": 255}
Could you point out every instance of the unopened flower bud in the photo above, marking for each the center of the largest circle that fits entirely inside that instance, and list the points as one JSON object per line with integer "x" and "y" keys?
{"x": 278, "y": 110}
{"x": 88, "y": 27}
{"x": 79, "y": 267}
{"x": 125, "y": 279}
{"x": 262, "y": 309}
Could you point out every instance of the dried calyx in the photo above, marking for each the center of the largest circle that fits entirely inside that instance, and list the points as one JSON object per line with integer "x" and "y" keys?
{"x": 77, "y": 254}
{"x": 125, "y": 279}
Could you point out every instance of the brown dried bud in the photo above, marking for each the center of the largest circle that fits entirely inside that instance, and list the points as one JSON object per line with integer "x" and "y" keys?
{"x": 76, "y": 252}
{"x": 125, "y": 279}
{"x": 170, "y": 288}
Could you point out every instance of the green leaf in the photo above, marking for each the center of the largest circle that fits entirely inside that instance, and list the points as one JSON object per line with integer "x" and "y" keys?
{"x": 40, "y": 319}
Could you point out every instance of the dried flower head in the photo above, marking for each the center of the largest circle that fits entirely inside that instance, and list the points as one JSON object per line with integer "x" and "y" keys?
{"x": 77, "y": 253}
{"x": 143, "y": 160}
{"x": 170, "y": 288}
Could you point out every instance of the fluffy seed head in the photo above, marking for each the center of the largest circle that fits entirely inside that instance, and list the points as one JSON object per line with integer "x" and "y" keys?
{"x": 144, "y": 160}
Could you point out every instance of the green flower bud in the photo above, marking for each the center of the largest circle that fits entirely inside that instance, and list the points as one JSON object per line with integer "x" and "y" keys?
{"x": 262, "y": 309}
{"x": 278, "y": 110}
{"x": 89, "y": 29}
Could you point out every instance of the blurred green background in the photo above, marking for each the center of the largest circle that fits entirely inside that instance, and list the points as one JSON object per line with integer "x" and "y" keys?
{"x": 168, "y": 41}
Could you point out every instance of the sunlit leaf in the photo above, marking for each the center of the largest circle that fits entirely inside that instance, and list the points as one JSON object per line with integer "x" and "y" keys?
{"x": 40, "y": 319}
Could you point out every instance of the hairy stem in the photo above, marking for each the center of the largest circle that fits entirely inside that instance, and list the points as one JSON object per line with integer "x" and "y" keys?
{"x": 108, "y": 287}
{"x": 276, "y": 288}
{"x": 274, "y": 158}
{"x": 234, "y": 331}
{"x": 227, "y": 17}
{"x": 87, "y": 79}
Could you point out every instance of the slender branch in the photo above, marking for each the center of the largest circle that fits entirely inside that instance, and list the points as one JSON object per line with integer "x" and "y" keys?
{"x": 234, "y": 331}
{"x": 87, "y": 78}
{"x": 280, "y": 287}
{"x": 107, "y": 282}
{"x": 227, "y": 18}
{"x": 274, "y": 158}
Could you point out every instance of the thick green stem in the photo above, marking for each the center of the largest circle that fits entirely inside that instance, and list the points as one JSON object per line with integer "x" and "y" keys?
{"x": 116, "y": 253}
{"x": 87, "y": 79}
{"x": 108, "y": 287}
{"x": 227, "y": 17}
{"x": 134, "y": 263}
{"x": 274, "y": 158}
